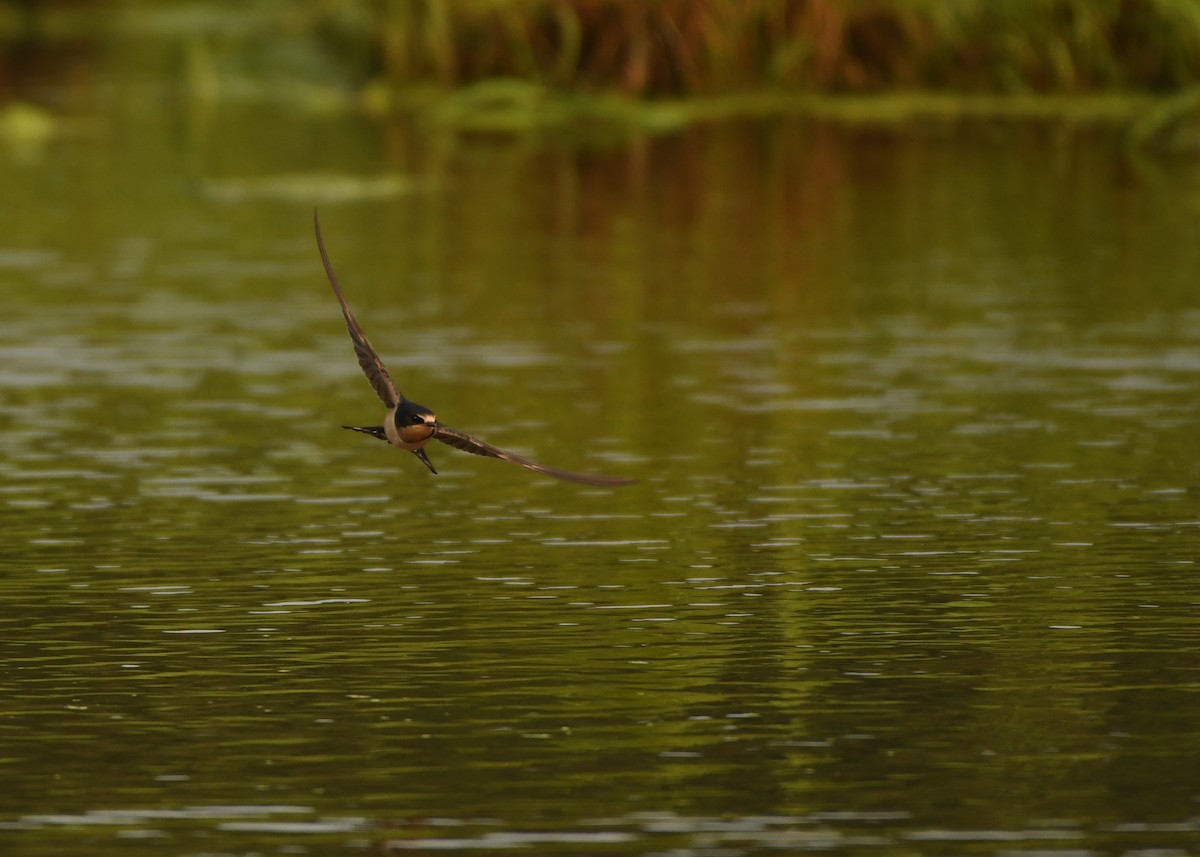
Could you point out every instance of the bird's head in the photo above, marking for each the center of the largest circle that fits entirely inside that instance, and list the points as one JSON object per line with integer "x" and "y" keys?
{"x": 414, "y": 423}
{"x": 416, "y": 415}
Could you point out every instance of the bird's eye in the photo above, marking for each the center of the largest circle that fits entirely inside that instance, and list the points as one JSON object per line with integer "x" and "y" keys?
{"x": 417, "y": 419}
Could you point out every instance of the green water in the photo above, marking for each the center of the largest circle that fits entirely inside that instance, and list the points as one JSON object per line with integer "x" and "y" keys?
{"x": 911, "y": 570}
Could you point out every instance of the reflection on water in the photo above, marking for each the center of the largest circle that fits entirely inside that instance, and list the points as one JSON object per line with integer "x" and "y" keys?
{"x": 912, "y": 567}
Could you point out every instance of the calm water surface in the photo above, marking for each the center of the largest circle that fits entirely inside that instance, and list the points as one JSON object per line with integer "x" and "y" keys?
{"x": 912, "y": 568}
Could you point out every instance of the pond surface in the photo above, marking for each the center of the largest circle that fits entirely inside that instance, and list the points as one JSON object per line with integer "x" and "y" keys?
{"x": 912, "y": 568}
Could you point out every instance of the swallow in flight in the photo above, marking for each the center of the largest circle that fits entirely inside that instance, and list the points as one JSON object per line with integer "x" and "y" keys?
{"x": 410, "y": 426}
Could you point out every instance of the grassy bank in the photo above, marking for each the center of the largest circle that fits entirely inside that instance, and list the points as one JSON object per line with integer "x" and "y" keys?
{"x": 513, "y": 64}
{"x": 704, "y": 48}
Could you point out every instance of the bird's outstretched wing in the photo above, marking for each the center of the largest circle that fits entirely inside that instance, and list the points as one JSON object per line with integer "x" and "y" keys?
{"x": 465, "y": 442}
{"x": 368, "y": 359}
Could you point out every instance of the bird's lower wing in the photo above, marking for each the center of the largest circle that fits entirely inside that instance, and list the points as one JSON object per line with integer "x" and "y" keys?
{"x": 374, "y": 431}
{"x": 459, "y": 440}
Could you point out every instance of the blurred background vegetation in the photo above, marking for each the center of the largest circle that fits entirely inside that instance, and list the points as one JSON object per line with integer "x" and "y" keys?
{"x": 713, "y": 47}
{"x": 472, "y": 56}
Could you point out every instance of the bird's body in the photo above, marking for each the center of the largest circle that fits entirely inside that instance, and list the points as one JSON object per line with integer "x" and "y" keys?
{"x": 410, "y": 426}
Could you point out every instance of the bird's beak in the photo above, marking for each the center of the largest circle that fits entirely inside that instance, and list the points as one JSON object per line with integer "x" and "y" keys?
{"x": 420, "y": 453}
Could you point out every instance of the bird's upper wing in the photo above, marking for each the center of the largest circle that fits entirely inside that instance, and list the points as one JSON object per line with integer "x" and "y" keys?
{"x": 465, "y": 442}
{"x": 371, "y": 365}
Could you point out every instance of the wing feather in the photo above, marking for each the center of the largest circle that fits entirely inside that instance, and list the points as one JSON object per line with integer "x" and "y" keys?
{"x": 463, "y": 441}
{"x": 368, "y": 359}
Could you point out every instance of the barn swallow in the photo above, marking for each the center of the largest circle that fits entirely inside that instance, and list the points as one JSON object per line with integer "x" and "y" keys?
{"x": 410, "y": 426}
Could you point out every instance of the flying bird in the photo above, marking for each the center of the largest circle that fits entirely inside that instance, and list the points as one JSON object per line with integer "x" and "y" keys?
{"x": 410, "y": 426}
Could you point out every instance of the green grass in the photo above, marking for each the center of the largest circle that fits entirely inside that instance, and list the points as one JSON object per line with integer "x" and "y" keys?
{"x": 672, "y": 48}
{"x": 515, "y": 64}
